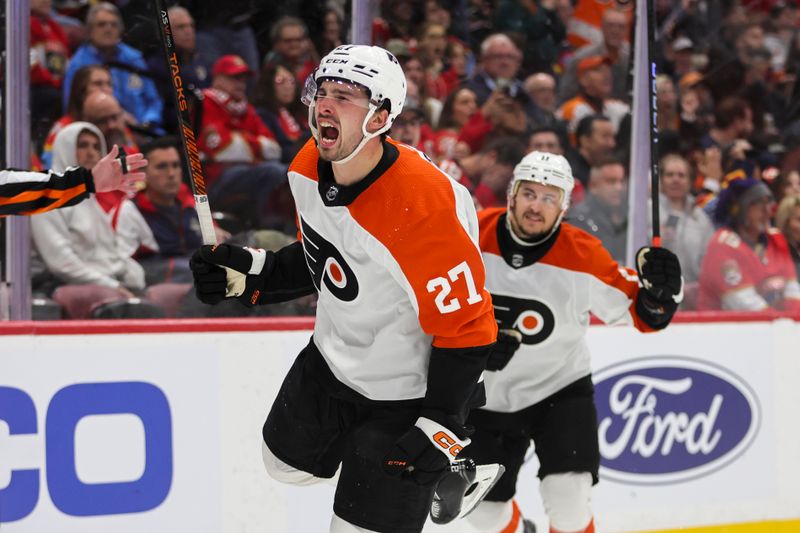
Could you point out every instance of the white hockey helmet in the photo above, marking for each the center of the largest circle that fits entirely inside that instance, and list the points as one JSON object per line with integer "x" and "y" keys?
{"x": 547, "y": 169}
{"x": 371, "y": 67}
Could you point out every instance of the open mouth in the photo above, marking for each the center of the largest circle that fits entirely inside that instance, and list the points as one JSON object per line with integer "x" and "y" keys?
{"x": 328, "y": 134}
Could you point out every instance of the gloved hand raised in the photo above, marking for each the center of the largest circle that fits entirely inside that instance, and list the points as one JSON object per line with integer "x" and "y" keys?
{"x": 213, "y": 283}
{"x": 508, "y": 342}
{"x": 424, "y": 452}
{"x": 660, "y": 273}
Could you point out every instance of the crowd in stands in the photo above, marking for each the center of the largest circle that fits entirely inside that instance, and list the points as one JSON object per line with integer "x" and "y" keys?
{"x": 488, "y": 81}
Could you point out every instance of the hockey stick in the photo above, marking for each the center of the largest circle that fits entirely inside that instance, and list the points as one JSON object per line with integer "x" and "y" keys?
{"x": 462, "y": 488}
{"x": 187, "y": 135}
{"x": 654, "y": 182}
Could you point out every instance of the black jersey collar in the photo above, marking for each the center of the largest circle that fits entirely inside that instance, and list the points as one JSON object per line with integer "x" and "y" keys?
{"x": 333, "y": 194}
{"x": 516, "y": 255}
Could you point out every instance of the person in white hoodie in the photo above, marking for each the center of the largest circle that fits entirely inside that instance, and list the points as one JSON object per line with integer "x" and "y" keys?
{"x": 79, "y": 244}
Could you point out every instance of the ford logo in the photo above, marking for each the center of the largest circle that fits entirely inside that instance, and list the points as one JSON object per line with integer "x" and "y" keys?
{"x": 666, "y": 419}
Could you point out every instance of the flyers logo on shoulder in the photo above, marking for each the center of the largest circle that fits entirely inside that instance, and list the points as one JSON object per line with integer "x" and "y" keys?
{"x": 327, "y": 265}
{"x": 669, "y": 419}
{"x": 532, "y": 318}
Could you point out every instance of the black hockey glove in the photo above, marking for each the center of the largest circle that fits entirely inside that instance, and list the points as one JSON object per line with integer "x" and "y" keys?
{"x": 424, "y": 452}
{"x": 508, "y": 341}
{"x": 660, "y": 273}
{"x": 213, "y": 283}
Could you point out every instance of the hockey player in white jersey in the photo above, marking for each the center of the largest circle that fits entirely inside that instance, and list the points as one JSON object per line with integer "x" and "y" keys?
{"x": 404, "y": 324}
{"x": 545, "y": 277}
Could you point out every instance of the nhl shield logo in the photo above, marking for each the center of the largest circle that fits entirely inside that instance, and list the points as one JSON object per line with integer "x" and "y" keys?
{"x": 516, "y": 260}
{"x": 332, "y": 192}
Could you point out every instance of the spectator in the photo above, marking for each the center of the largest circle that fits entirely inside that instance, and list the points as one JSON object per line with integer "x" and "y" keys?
{"x": 332, "y": 32}
{"x": 667, "y": 104}
{"x": 399, "y": 18}
{"x": 614, "y": 46}
{"x": 195, "y": 64}
{"x": 136, "y": 94}
{"x": 594, "y": 138}
{"x": 500, "y": 63}
{"x": 733, "y": 120}
{"x": 277, "y": 100}
{"x": 458, "y": 108}
{"x": 682, "y": 56}
{"x": 594, "y": 95}
{"x": 104, "y": 111}
{"x": 49, "y": 55}
{"x": 541, "y": 88}
{"x": 459, "y": 64}
{"x": 586, "y": 22}
{"x": 545, "y": 139}
{"x": 685, "y": 227}
{"x": 430, "y": 51}
{"x": 787, "y": 220}
{"x": 225, "y": 28}
{"x": 78, "y": 245}
{"x": 418, "y": 77}
{"x": 242, "y": 154}
{"x": 501, "y": 114}
{"x": 536, "y": 26}
{"x": 487, "y": 173}
{"x": 168, "y": 207}
{"x": 292, "y": 48}
{"x": 407, "y": 127}
{"x": 604, "y": 210}
{"x": 787, "y": 183}
{"x": 89, "y": 78}
{"x": 748, "y": 265}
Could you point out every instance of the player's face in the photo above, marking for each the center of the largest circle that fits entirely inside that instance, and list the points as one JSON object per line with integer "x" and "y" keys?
{"x": 534, "y": 210}
{"x": 339, "y": 113}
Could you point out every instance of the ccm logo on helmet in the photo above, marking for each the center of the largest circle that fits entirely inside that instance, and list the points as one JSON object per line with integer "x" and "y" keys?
{"x": 327, "y": 265}
{"x": 532, "y": 318}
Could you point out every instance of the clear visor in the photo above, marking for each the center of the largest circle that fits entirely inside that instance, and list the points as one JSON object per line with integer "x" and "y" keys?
{"x": 338, "y": 90}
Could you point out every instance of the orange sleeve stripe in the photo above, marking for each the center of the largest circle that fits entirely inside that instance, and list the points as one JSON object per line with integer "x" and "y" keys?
{"x": 74, "y": 192}
{"x": 31, "y": 196}
{"x": 421, "y": 202}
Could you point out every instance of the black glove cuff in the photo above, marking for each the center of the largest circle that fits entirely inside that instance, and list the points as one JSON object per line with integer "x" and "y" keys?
{"x": 655, "y": 313}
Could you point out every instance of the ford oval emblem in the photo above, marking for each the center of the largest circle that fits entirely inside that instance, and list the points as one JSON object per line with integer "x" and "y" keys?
{"x": 666, "y": 419}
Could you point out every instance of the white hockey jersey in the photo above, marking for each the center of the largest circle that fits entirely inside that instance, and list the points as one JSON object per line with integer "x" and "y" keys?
{"x": 396, "y": 262}
{"x": 549, "y": 299}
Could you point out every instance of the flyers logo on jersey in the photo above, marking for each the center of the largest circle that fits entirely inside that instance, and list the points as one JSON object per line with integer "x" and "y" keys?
{"x": 327, "y": 265}
{"x": 532, "y": 318}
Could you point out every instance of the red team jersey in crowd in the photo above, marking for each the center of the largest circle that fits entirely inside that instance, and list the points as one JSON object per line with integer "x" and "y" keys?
{"x": 396, "y": 262}
{"x": 735, "y": 276}
{"x": 549, "y": 302}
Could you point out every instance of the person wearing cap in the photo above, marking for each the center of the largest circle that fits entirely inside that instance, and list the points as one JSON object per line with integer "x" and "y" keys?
{"x": 407, "y": 127}
{"x": 614, "y": 29}
{"x": 135, "y": 93}
{"x": 682, "y": 57}
{"x": 594, "y": 95}
{"x": 403, "y": 325}
{"x": 747, "y": 266}
{"x": 546, "y": 276}
{"x": 242, "y": 155}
